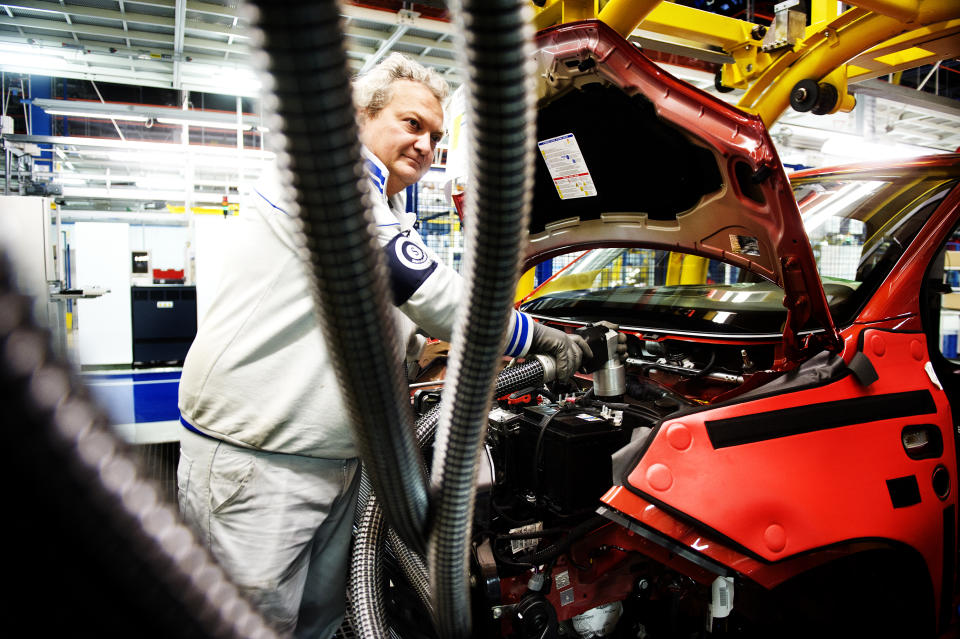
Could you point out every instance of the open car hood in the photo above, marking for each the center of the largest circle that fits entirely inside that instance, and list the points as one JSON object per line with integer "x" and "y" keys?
{"x": 631, "y": 156}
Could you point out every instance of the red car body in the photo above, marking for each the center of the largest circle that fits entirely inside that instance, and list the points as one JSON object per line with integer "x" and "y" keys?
{"x": 829, "y": 469}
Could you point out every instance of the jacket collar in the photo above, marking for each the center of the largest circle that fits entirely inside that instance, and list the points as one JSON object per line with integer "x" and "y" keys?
{"x": 376, "y": 170}
{"x": 378, "y": 173}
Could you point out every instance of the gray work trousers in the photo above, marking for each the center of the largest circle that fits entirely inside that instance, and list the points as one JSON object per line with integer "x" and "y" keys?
{"x": 280, "y": 525}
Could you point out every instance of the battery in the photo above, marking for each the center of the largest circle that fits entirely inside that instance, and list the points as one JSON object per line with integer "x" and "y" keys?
{"x": 573, "y": 468}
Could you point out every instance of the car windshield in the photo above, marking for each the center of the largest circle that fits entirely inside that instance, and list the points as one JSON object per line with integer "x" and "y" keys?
{"x": 858, "y": 227}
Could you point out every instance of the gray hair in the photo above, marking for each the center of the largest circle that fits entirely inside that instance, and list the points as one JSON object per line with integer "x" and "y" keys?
{"x": 374, "y": 89}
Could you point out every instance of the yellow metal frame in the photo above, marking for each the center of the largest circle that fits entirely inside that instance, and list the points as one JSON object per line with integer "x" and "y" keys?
{"x": 233, "y": 208}
{"x": 942, "y": 37}
{"x": 872, "y": 29}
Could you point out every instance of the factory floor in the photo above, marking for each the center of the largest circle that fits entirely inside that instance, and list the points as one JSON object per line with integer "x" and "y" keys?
{"x": 142, "y": 405}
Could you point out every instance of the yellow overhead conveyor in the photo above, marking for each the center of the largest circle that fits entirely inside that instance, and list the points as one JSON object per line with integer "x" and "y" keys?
{"x": 875, "y": 37}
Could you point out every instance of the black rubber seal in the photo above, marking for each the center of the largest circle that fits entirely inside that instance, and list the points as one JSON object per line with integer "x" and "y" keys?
{"x": 749, "y": 429}
{"x": 949, "y": 565}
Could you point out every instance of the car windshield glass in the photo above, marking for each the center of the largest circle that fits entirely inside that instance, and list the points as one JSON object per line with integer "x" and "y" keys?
{"x": 858, "y": 228}
{"x": 659, "y": 290}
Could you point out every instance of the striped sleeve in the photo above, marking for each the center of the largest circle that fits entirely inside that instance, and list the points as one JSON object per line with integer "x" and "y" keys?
{"x": 520, "y": 334}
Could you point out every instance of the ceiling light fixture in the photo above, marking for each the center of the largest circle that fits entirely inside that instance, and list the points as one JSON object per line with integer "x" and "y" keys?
{"x": 207, "y": 123}
{"x": 123, "y": 117}
{"x": 144, "y": 113}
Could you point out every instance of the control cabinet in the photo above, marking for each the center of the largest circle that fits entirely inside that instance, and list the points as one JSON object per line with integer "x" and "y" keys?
{"x": 164, "y": 323}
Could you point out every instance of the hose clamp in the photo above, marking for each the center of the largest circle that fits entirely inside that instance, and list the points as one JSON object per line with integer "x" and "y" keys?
{"x": 549, "y": 367}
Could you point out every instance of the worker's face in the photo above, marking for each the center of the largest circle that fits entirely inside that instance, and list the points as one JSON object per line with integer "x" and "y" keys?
{"x": 405, "y": 133}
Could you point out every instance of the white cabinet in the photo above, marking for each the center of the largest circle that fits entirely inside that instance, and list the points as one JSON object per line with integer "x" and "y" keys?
{"x": 104, "y": 331}
{"x": 28, "y": 239}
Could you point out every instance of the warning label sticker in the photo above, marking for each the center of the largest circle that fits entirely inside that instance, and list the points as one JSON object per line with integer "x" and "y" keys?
{"x": 567, "y": 167}
{"x": 518, "y": 545}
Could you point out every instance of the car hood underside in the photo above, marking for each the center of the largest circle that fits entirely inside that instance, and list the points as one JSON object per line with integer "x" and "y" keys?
{"x": 630, "y": 156}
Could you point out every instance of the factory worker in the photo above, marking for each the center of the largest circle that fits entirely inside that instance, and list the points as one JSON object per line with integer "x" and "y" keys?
{"x": 268, "y": 471}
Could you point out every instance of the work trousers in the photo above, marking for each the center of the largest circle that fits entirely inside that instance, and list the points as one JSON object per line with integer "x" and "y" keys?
{"x": 279, "y": 524}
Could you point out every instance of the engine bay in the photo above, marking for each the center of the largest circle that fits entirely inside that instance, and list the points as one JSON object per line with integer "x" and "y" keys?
{"x": 544, "y": 562}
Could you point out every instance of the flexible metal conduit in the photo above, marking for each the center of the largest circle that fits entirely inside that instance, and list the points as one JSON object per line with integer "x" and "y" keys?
{"x": 498, "y": 49}
{"x": 65, "y": 450}
{"x": 414, "y": 569}
{"x": 367, "y": 616}
{"x": 366, "y": 612}
{"x": 309, "y": 68}
{"x": 366, "y": 575}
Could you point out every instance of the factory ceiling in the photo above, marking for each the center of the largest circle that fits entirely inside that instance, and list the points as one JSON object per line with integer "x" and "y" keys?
{"x": 167, "y": 52}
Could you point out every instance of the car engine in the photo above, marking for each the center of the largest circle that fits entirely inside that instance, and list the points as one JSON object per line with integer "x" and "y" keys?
{"x": 545, "y": 563}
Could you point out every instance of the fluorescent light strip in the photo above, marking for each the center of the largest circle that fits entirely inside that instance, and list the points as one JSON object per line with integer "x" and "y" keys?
{"x": 102, "y": 116}
{"x": 205, "y": 123}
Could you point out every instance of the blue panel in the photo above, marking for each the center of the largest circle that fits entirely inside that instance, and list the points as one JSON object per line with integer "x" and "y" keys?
{"x": 156, "y": 402}
{"x": 131, "y": 377}
{"x": 136, "y": 397}
{"x": 543, "y": 272}
{"x": 412, "y": 199}
{"x": 40, "y": 86}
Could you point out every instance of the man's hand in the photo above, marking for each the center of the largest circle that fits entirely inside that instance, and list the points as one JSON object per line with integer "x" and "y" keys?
{"x": 568, "y": 350}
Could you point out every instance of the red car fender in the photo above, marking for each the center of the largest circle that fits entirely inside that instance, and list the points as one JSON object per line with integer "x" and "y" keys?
{"x": 766, "y": 486}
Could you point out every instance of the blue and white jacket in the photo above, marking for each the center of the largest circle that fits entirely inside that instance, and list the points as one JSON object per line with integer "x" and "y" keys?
{"x": 258, "y": 374}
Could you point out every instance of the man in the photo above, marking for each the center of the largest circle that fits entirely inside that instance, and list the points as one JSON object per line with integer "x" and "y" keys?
{"x": 268, "y": 471}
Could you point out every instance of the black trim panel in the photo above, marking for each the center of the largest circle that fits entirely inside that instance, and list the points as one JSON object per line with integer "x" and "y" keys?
{"x": 758, "y": 427}
{"x": 904, "y": 491}
{"x": 949, "y": 558}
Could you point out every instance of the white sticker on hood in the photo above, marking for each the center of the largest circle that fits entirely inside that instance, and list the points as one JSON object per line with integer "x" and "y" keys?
{"x": 567, "y": 167}
{"x": 928, "y": 367}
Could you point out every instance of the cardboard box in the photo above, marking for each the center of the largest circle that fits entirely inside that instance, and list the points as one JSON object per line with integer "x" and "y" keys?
{"x": 950, "y": 300}
{"x": 952, "y": 260}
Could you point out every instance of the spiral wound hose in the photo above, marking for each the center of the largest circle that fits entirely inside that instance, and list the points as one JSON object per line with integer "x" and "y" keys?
{"x": 414, "y": 569}
{"x": 500, "y": 88}
{"x": 313, "y": 98}
{"x": 366, "y": 604}
{"x": 96, "y": 508}
{"x": 413, "y": 566}
{"x": 365, "y": 584}
{"x": 366, "y": 575}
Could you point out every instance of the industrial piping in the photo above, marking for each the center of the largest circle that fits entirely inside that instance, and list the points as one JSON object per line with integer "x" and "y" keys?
{"x": 367, "y": 616}
{"x": 499, "y": 61}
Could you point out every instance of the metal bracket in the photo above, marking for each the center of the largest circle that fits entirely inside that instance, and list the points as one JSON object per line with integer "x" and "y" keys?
{"x": 407, "y": 17}
{"x": 787, "y": 29}
{"x": 500, "y": 611}
{"x": 749, "y": 61}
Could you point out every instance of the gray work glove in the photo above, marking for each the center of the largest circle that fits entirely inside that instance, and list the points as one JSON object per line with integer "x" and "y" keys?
{"x": 568, "y": 350}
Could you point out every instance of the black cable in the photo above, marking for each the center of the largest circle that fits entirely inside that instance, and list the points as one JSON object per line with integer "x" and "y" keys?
{"x": 537, "y": 449}
{"x": 509, "y": 561}
{"x": 548, "y": 394}
{"x": 500, "y": 508}
{"x": 706, "y": 369}
{"x": 303, "y": 43}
